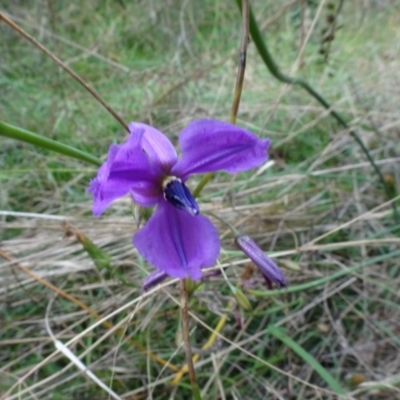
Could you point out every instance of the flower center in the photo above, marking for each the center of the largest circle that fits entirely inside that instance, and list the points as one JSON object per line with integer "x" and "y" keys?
{"x": 177, "y": 194}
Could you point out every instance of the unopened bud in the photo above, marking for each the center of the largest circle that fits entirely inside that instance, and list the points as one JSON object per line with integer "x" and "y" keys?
{"x": 153, "y": 279}
{"x": 266, "y": 266}
{"x": 210, "y": 274}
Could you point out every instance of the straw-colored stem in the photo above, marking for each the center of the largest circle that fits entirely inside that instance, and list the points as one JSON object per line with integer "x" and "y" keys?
{"x": 239, "y": 82}
{"x": 186, "y": 340}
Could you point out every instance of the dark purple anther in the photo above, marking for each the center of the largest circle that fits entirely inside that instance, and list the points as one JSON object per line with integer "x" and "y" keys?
{"x": 177, "y": 194}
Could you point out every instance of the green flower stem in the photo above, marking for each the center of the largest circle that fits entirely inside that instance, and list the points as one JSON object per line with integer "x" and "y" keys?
{"x": 203, "y": 182}
{"x": 276, "y": 72}
{"x": 23, "y": 135}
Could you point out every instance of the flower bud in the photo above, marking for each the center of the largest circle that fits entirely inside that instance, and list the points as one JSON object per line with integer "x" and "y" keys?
{"x": 153, "y": 279}
{"x": 266, "y": 266}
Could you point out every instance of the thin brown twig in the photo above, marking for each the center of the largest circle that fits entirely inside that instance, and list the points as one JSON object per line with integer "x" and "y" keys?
{"x": 239, "y": 83}
{"x": 193, "y": 76}
{"x": 65, "y": 67}
{"x": 241, "y": 67}
{"x": 242, "y": 61}
{"x": 267, "y": 23}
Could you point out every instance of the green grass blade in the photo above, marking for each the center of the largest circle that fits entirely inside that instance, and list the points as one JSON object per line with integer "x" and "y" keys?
{"x": 308, "y": 358}
{"x": 271, "y": 65}
{"x": 23, "y": 135}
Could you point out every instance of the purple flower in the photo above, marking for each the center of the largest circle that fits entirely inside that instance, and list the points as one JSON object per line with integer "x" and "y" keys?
{"x": 176, "y": 239}
{"x": 266, "y": 266}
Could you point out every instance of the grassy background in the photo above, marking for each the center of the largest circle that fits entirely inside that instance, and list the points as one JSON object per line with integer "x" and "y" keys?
{"x": 315, "y": 209}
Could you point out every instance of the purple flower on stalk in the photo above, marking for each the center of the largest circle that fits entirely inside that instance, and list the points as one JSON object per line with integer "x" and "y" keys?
{"x": 176, "y": 239}
{"x": 266, "y": 266}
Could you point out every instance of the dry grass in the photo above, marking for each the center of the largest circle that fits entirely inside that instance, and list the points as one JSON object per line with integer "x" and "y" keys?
{"x": 317, "y": 208}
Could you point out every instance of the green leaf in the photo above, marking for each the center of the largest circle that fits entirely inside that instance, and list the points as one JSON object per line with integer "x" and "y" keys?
{"x": 241, "y": 298}
{"x": 307, "y": 357}
{"x": 23, "y": 135}
{"x": 100, "y": 258}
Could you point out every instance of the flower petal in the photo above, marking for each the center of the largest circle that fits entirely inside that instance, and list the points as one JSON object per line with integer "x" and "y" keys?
{"x": 178, "y": 243}
{"x": 147, "y": 195}
{"x": 209, "y": 145}
{"x": 127, "y": 169}
{"x": 156, "y": 145}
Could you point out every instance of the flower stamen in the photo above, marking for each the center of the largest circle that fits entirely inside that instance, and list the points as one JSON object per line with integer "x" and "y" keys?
{"x": 177, "y": 194}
